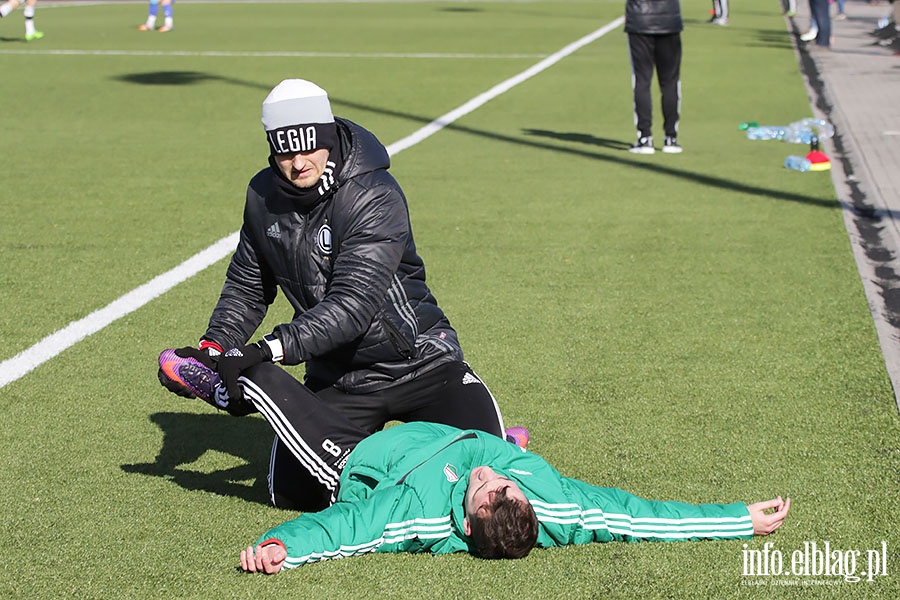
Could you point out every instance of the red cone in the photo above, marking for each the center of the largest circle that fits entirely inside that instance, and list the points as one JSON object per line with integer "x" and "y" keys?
{"x": 818, "y": 160}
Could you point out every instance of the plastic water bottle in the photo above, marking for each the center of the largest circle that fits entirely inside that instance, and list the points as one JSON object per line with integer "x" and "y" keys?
{"x": 765, "y": 133}
{"x": 797, "y": 163}
{"x": 747, "y": 125}
{"x": 802, "y": 132}
{"x": 798, "y": 133}
{"x": 824, "y": 129}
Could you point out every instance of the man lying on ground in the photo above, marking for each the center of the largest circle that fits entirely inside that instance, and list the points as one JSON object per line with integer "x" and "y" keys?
{"x": 425, "y": 487}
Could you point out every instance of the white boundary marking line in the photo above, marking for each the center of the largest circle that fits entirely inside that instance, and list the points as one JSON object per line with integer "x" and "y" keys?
{"x": 26, "y": 361}
{"x": 217, "y": 53}
{"x": 500, "y": 88}
{"x": 68, "y": 3}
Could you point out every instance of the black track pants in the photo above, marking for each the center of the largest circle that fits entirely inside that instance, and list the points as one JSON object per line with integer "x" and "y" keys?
{"x": 662, "y": 52}
{"x": 317, "y": 426}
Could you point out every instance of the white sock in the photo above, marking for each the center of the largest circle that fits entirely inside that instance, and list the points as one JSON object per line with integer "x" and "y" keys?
{"x": 151, "y": 21}
{"x": 28, "y": 11}
{"x": 5, "y": 9}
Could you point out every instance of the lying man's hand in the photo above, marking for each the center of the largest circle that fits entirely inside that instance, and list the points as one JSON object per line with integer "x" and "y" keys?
{"x": 765, "y": 523}
{"x": 267, "y": 559}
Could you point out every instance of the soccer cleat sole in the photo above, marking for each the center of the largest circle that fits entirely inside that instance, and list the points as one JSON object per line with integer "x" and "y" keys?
{"x": 190, "y": 373}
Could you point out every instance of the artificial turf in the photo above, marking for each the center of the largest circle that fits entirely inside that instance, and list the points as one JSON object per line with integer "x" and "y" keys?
{"x": 685, "y": 327}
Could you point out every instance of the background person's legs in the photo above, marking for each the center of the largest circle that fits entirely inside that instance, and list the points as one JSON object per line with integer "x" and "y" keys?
{"x": 667, "y": 52}
{"x": 641, "y": 50}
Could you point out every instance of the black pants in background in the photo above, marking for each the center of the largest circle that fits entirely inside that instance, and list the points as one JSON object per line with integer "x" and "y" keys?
{"x": 662, "y": 52}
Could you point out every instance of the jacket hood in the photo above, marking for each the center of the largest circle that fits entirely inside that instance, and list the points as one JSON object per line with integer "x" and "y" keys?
{"x": 363, "y": 154}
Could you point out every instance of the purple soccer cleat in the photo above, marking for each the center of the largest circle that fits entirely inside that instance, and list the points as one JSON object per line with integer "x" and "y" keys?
{"x": 518, "y": 436}
{"x": 193, "y": 375}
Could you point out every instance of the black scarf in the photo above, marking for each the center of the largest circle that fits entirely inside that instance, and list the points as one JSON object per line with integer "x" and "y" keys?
{"x": 305, "y": 199}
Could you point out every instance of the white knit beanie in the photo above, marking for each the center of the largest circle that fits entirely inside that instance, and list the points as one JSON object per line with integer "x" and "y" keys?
{"x": 297, "y": 117}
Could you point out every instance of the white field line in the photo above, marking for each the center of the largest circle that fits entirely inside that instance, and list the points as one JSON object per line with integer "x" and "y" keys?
{"x": 69, "y": 3}
{"x": 231, "y": 54}
{"x": 500, "y": 88}
{"x": 26, "y": 361}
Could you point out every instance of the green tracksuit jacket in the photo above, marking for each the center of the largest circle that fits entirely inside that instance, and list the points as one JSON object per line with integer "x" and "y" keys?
{"x": 402, "y": 490}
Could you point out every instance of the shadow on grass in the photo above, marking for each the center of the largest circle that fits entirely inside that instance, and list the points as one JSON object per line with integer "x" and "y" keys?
{"x": 460, "y": 9}
{"x": 187, "y": 437}
{"x": 704, "y": 178}
{"x": 580, "y": 138}
{"x": 773, "y": 38}
{"x": 626, "y": 158}
{"x": 183, "y": 78}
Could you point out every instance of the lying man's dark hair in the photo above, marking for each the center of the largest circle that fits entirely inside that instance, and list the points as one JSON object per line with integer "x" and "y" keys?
{"x": 508, "y": 528}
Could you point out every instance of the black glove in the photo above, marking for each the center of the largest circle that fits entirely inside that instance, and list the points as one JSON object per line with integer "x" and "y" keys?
{"x": 202, "y": 356}
{"x": 235, "y": 360}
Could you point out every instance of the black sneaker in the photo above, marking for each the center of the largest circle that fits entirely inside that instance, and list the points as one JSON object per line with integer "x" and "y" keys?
{"x": 671, "y": 146}
{"x": 887, "y": 32}
{"x": 644, "y": 145}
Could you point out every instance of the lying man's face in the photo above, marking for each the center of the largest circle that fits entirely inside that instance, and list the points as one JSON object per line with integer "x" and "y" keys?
{"x": 483, "y": 484}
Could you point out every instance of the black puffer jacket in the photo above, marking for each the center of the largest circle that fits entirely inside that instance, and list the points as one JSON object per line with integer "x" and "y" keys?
{"x": 364, "y": 318}
{"x": 653, "y": 16}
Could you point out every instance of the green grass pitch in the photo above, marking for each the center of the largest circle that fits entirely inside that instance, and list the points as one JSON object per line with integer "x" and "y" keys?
{"x": 685, "y": 327}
